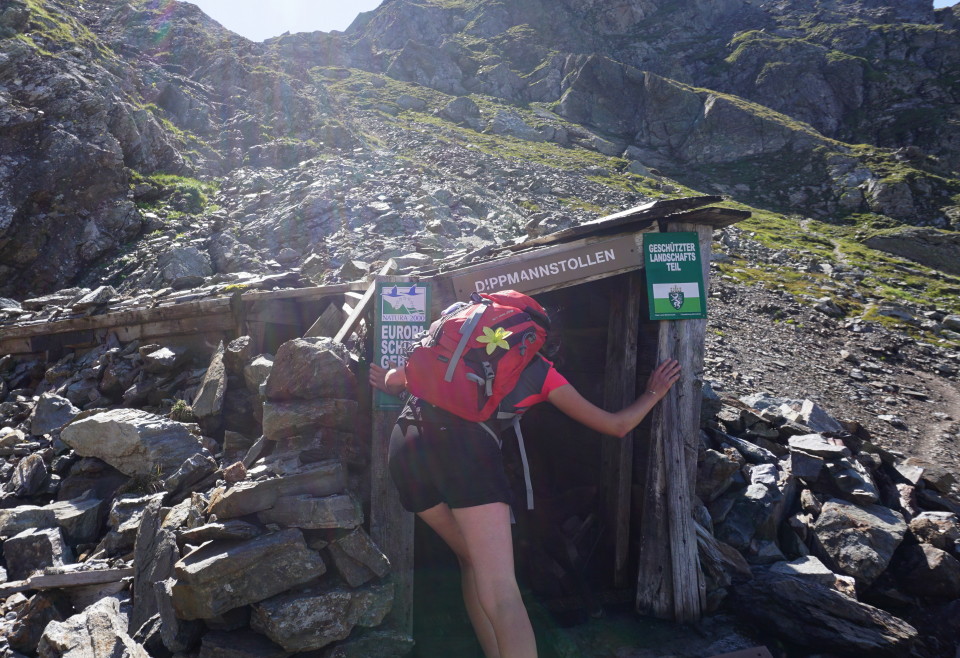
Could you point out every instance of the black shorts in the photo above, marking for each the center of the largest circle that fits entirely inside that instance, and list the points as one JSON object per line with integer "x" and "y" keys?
{"x": 436, "y": 457}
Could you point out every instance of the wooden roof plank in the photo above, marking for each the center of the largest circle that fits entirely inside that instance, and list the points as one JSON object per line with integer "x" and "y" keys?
{"x": 646, "y": 213}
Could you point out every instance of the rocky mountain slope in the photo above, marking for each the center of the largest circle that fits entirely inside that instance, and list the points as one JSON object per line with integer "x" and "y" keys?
{"x": 124, "y": 119}
{"x": 144, "y": 147}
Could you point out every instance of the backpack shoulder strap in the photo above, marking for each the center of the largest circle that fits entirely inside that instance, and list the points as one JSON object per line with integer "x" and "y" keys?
{"x": 465, "y": 330}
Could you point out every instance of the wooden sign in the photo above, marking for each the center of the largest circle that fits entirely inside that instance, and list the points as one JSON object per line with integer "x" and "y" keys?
{"x": 550, "y": 268}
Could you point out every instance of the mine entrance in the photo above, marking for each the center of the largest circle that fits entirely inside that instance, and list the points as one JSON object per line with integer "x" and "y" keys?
{"x": 564, "y": 547}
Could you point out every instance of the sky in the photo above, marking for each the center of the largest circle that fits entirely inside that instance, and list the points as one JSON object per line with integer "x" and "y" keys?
{"x": 252, "y": 19}
{"x": 258, "y": 20}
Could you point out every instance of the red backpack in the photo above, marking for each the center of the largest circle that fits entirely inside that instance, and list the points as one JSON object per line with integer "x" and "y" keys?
{"x": 473, "y": 355}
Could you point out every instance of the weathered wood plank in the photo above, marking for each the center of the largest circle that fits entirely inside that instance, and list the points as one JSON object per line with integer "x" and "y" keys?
{"x": 391, "y": 526}
{"x": 212, "y": 323}
{"x": 676, "y": 426}
{"x": 619, "y": 391}
{"x": 364, "y": 304}
{"x": 327, "y": 324}
{"x": 629, "y": 220}
{"x": 276, "y": 311}
{"x": 713, "y": 217}
{"x": 58, "y": 580}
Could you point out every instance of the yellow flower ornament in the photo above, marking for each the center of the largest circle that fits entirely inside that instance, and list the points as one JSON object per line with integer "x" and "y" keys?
{"x": 495, "y": 339}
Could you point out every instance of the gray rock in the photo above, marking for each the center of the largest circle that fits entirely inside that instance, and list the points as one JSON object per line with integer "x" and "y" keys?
{"x": 320, "y": 479}
{"x": 858, "y": 540}
{"x": 29, "y": 477}
{"x": 34, "y": 616}
{"x": 237, "y": 354}
{"x": 376, "y": 643}
{"x": 282, "y": 420}
{"x": 256, "y": 373}
{"x": 220, "y": 576}
{"x": 181, "y": 265}
{"x": 929, "y": 572}
{"x": 715, "y": 472}
{"x": 750, "y": 517}
{"x": 310, "y": 620}
{"x": 62, "y": 297}
{"x": 124, "y": 523}
{"x": 164, "y": 359}
{"x": 818, "y": 445}
{"x": 357, "y": 559}
{"x": 33, "y": 550}
{"x": 176, "y": 635}
{"x": 768, "y": 403}
{"x": 750, "y": 451}
{"x": 314, "y": 513}
{"x": 936, "y": 475}
{"x": 242, "y": 643}
{"x": 98, "y": 631}
{"x": 134, "y": 442}
{"x": 928, "y": 246}
{"x": 807, "y": 467}
{"x": 812, "y": 615}
{"x": 307, "y": 369}
{"x": 194, "y": 470}
{"x": 208, "y": 401}
{"x": 232, "y": 529}
{"x": 51, "y": 413}
{"x": 940, "y": 529}
{"x": 813, "y": 416}
{"x": 97, "y": 297}
{"x": 807, "y": 567}
{"x": 850, "y": 480}
{"x": 78, "y": 519}
{"x": 155, "y": 554}
{"x": 462, "y": 110}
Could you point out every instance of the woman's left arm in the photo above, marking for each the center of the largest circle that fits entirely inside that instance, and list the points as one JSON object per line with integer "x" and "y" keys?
{"x": 617, "y": 423}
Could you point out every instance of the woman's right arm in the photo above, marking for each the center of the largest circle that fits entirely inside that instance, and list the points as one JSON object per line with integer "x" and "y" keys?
{"x": 617, "y": 423}
{"x": 392, "y": 380}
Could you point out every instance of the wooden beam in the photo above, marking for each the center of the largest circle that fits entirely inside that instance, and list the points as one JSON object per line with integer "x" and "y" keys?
{"x": 275, "y": 311}
{"x": 712, "y": 217}
{"x": 327, "y": 324}
{"x": 670, "y": 583}
{"x": 630, "y": 220}
{"x": 391, "y": 526}
{"x": 69, "y": 579}
{"x": 364, "y": 304}
{"x": 620, "y": 385}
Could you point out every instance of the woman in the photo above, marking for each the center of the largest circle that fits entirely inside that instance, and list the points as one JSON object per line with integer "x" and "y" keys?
{"x": 450, "y": 473}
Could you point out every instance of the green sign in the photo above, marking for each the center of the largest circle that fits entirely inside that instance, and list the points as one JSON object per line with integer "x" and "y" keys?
{"x": 674, "y": 276}
{"x": 401, "y": 314}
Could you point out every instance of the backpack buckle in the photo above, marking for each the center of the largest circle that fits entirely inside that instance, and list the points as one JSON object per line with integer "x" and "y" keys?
{"x": 489, "y": 374}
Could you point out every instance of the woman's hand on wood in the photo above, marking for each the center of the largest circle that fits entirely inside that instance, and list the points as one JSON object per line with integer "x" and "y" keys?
{"x": 663, "y": 377}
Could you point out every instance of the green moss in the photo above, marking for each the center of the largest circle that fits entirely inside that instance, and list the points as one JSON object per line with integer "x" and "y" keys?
{"x": 51, "y": 32}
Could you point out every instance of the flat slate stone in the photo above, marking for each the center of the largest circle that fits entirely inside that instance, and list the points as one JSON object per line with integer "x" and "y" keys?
{"x": 319, "y": 479}
{"x": 132, "y": 441}
{"x": 315, "y": 513}
{"x": 220, "y": 576}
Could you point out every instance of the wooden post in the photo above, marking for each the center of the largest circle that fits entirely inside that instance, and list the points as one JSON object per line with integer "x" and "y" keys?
{"x": 391, "y": 526}
{"x": 620, "y": 390}
{"x": 670, "y": 582}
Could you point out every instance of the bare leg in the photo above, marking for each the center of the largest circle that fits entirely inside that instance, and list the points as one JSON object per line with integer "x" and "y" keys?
{"x": 486, "y": 532}
{"x": 441, "y": 519}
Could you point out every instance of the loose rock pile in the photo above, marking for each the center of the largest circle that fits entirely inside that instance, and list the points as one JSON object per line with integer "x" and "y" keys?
{"x": 149, "y": 526}
{"x": 848, "y": 547}
{"x": 233, "y": 524}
